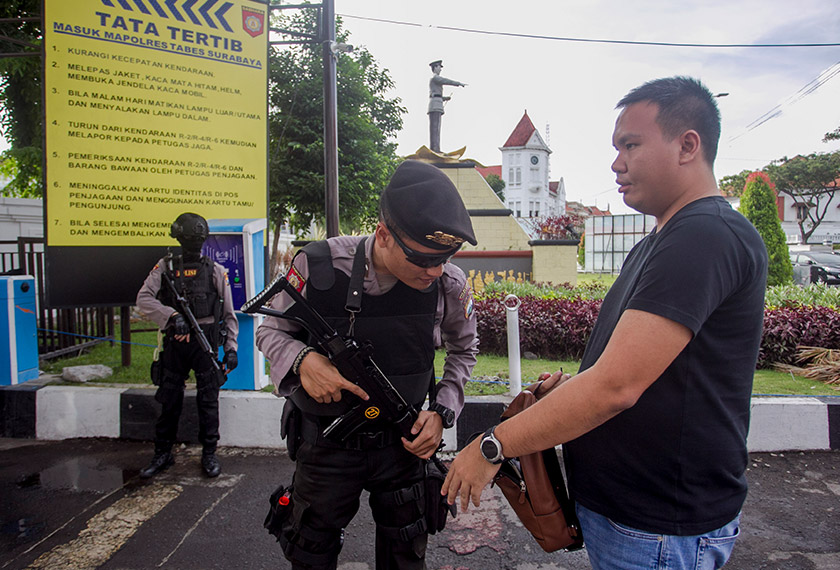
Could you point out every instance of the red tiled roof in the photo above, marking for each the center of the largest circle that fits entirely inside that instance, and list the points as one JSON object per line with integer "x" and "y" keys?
{"x": 522, "y": 133}
{"x": 484, "y": 171}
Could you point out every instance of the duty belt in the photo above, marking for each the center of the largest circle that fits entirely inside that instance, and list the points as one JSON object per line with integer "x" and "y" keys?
{"x": 311, "y": 428}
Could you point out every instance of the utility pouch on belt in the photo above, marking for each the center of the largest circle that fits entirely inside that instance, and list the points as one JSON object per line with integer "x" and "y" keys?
{"x": 279, "y": 510}
{"x": 290, "y": 427}
{"x": 156, "y": 372}
{"x": 436, "y": 505}
{"x": 534, "y": 486}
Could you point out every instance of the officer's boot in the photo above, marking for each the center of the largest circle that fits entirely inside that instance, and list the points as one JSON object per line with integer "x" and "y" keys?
{"x": 210, "y": 463}
{"x": 161, "y": 461}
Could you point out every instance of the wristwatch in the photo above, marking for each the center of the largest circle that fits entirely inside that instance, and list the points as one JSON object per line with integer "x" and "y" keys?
{"x": 447, "y": 415}
{"x": 491, "y": 448}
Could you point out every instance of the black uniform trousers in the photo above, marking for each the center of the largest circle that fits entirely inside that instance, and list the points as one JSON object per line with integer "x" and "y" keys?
{"x": 328, "y": 483}
{"x": 177, "y": 359}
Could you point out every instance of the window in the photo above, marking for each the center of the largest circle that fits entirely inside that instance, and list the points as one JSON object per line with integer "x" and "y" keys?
{"x": 518, "y": 211}
{"x": 535, "y": 175}
{"x": 518, "y": 176}
{"x": 537, "y": 209}
{"x": 510, "y": 177}
{"x": 530, "y": 208}
{"x": 801, "y": 212}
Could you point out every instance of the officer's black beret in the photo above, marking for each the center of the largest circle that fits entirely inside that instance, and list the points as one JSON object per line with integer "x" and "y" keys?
{"x": 425, "y": 205}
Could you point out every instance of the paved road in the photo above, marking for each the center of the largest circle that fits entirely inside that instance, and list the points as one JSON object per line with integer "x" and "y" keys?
{"x": 78, "y": 504}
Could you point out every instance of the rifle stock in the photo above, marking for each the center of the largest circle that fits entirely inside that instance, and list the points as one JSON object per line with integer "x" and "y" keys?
{"x": 352, "y": 360}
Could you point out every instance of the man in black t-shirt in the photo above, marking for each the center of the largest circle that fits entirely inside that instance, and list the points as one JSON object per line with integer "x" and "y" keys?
{"x": 655, "y": 422}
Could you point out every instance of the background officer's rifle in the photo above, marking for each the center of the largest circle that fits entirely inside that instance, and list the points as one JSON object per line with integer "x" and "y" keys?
{"x": 352, "y": 360}
{"x": 183, "y": 306}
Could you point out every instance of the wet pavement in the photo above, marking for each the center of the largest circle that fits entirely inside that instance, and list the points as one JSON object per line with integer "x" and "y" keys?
{"x": 79, "y": 504}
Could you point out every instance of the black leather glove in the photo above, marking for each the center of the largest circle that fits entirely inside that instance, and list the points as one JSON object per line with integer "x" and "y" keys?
{"x": 231, "y": 361}
{"x": 178, "y": 325}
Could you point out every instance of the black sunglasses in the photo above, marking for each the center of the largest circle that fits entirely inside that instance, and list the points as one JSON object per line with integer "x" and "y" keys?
{"x": 424, "y": 260}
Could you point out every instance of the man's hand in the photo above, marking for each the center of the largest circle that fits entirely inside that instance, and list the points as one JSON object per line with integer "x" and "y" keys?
{"x": 429, "y": 430}
{"x": 180, "y": 328}
{"x": 550, "y": 382}
{"x": 231, "y": 360}
{"x": 468, "y": 475}
{"x": 323, "y": 382}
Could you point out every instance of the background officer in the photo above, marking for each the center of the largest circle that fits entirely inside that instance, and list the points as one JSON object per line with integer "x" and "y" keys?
{"x": 412, "y": 302}
{"x": 205, "y": 285}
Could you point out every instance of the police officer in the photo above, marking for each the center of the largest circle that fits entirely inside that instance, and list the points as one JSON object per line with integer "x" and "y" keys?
{"x": 412, "y": 301}
{"x": 204, "y": 284}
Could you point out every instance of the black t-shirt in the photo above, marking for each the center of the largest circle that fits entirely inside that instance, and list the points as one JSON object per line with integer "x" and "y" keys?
{"x": 674, "y": 463}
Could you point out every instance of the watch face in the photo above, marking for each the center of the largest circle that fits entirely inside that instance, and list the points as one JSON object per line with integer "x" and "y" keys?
{"x": 535, "y": 159}
{"x": 489, "y": 450}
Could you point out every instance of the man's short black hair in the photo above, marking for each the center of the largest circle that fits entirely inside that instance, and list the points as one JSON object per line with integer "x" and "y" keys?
{"x": 684, "y": 104}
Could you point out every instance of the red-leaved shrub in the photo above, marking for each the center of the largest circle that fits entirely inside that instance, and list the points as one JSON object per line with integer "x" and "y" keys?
{"x": 785, "y": 328}
{"x": 559, "y": 329}
{"x": 556, "y": 329}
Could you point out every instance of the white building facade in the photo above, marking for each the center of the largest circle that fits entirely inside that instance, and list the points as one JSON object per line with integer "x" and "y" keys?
{"x": 525, "y": 170}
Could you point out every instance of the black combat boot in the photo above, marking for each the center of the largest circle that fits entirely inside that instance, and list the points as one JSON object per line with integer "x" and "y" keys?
{"x": 161, "y": 461}
{"x": 210, "y": 464}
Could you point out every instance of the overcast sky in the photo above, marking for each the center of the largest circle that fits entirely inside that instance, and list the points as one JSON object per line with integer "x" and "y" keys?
{"x": 570, "y": 88}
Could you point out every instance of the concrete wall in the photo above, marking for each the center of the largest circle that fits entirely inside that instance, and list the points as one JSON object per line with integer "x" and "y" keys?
{"x": 253, "y": 419}
{"x": 555, "y": 261}
{"x": 493, "y": 232}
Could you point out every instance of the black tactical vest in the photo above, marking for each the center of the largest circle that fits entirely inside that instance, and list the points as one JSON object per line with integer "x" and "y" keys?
{"x": 195, "y": 281}
{"x": 399, "y": 325}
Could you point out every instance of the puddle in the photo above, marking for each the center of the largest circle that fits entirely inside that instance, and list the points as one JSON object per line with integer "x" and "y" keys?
{"x": 79, "y": 474}
{"x": 22, "y": 529}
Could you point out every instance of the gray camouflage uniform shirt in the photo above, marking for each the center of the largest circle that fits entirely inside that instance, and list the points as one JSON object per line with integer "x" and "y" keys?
{"x": 455, "y": 327}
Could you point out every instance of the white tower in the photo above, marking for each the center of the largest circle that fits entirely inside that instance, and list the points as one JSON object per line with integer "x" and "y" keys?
{"x": 525, "y": 170}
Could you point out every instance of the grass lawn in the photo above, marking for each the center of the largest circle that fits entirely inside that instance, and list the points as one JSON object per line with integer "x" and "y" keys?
{"x": 490, "y": 373}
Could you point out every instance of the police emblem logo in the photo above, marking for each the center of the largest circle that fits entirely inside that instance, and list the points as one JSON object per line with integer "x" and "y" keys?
{"x": 468, "y": 308}
{"x": 444, "y": 239}
{"x": 372, "y": 413}
{"x": 190, "y": 272}
{"x": 295, "y": 279}
{"x": 253, "y": 21}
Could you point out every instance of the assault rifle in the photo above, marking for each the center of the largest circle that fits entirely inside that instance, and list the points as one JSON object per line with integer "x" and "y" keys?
{"x": 353, "y": 362}
{"x": 183, "y": 306}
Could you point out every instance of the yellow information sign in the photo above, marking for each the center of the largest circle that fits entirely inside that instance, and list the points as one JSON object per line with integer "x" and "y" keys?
{"x": 153, "y": 108}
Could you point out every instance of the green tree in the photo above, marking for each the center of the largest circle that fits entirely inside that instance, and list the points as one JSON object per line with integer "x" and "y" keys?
{"x": 832, "y": 136}
{"x": 21, "y": 105}
{"x": 497, "y": 184}
{"x": 368, "y": 121}
{"x": 810, "y": 181}
{"x": 733, "y": 185}
{"x": 758, "y": 204}
{"x": 581, "y": 254}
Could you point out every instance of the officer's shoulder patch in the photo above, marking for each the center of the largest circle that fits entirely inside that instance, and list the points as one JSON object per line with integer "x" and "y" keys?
{"x": 295, "y": 279}
{"x": 468, "y": 307}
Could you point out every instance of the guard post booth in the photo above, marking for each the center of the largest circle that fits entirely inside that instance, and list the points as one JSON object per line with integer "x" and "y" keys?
{"x": 239, "y": 245}
{"x": 18, "y": 330}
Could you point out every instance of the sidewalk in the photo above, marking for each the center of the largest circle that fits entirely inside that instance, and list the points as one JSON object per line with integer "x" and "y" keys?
{"x": 78, "y": 504}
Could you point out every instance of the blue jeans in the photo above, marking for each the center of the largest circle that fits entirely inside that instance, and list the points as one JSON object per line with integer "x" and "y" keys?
{"x": 612, "y": 546}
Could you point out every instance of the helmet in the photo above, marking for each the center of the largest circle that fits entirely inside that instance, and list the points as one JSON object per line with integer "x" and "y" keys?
{"x": 190, "y": 230}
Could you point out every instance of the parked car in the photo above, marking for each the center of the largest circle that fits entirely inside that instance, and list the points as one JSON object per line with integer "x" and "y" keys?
{"x": 824, "y": 265}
